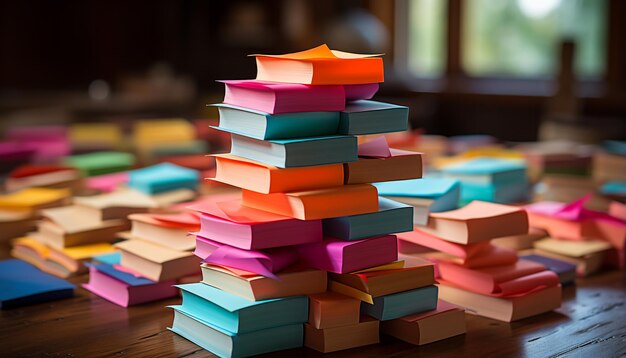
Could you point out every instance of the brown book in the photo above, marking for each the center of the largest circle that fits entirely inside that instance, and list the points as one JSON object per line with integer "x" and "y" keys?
{"x": 330, "y": 309}
{"x": 446, "y": 321}
{"x": 335, "y": 339}
{"x": 520, "y": 242}
{"x": 291, "y": 282}
{"x": 401, "y": 165}
{"x": 116, "y": 205}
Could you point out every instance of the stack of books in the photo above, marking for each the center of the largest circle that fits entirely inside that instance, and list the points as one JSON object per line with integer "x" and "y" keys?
{"x": 609, "y": 163}
{"x": 99, "y": 163}
{"x": 165, "y": 137}
{"x": 165, "y": 180}
{"x": 487, "y": 280}
{"x": 20, "y": 209}
{"x": 156, "y": 256}
{"x": 588, "y": 238}
{"x": 490, "y": 179}
{"x": 306, "y": 209}
{"x": 91, "y": 137}
{"x": 48, "y": 143}
{"x": 556, "y": 157}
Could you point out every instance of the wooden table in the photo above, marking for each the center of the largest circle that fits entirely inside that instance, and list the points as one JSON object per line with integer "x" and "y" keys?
{"x": 591, "y": 322}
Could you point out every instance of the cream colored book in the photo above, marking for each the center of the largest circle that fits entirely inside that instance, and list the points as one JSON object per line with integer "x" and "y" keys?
{"x": 572, "y": 248}
{"x": 155, "y": 262}
{"x": 335, "y": 339}
{"x": 520, "y": 242}
{"x": 117, "y": 204}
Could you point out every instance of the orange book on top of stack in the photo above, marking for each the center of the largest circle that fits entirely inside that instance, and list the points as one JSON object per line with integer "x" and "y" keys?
{"x": 266, "y": 179}
{"x": 320, "y": 66}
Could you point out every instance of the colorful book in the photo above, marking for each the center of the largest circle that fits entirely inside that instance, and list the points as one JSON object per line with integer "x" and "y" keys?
{"x": 264, "y": 178}
{"x": 163, "y": 177}
{"x": 95, "y": 136}
{"x": 298, "y": 152}
{"x": 503, "y": 194}
{"x": 330, "y": 309}
{"x": 356, "y": 92}
{"x": 391, "y": 217}
{"x": 520, "y": 242}
{"x": 369, "y": 284}
{"x": 445, "y": 321}
{"x": 30, "y": 200}
{"x": 485, "y": 170}
{"x": 566, "y": 271}
{"x": 117, "y": 204}
{"x": 339, "y": 256}
{"x": 316, "y": 204}
{"x": 320, "y": 66}
{"x": 396, "y": 165}
{"x": 238, "y": 315}
{"x": 589, "y": 255}
{"x": 327, "y": 340}
{"x": 253, "y": 287}
{"x": 43, "y": 176}
{"x": 278, "y": 98}
{"x": 265, "y": 126}
{"x": 371, "y": 117}
{"x": 507, "y": 309}
{"x": 231, "y": 223}
{"x": 477, "y": 221}
{"x": 155, "y": 262}
{"x": 224, "y": 343}
{"x": 426, "y": 195}
{"x": 401, "y": 304}
{"x": 125, "y": 289}
{"x": 167, "y": 230}
{"x": 22, "y": 284}
{"x": 100, "y": 163}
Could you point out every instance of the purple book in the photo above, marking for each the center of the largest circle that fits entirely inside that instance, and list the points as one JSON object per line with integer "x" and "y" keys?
{"x": 338, "y": 256}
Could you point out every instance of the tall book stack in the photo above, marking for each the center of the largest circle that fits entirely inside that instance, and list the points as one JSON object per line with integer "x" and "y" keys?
{"x": 489, "y": 280}
{"x": 307, "y": 218}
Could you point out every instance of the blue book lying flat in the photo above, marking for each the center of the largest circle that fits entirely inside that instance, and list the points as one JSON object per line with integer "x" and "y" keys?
{"x": 486, "y": 170}
{"x": 565, "y": 270}
{"x": 113, "y": 258}
{"x": 264, "y": 126}
{"x": 289, "y": 153}
{"x": 163, "y": 177}
{"x": 227, "y": 344}
{"x": 402, "y": 304}
{"x": 391, "y": 217}
{"x": 503, "y": 194}
{"x": 238, "y": 315}
{"x": 370, "y": 117}
{"x": 23, "y": 284}
{"x": 426, "y": 195}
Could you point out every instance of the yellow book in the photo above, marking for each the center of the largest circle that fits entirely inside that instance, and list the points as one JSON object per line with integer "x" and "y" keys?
{"x": 107, "y": 135}
{"x": 32, "y": 199}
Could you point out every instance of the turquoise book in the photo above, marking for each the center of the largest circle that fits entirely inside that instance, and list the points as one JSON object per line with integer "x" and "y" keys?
{"x": 502, "y": 194}
{"x": 227, "y": 344}
{"x": 391, "y": 217}
{"x": 265, "y": 126}
{"x": 163, "y": 177}
{"x": 298, "y": 152}
{"x": 402, "y": 303}
{"x": 484, "y": 170}
{"x": 371, "y": 117}
{"x": 238, "y": 315}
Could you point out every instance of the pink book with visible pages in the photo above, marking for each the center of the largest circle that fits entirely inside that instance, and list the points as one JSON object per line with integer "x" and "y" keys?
{"x": 340, "y": 256}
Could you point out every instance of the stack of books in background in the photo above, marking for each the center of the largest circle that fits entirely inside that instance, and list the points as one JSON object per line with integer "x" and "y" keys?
{"x": 48, "y": 144}
{"x": 92, "y": 137}
{"x": 488, "y": 280}
{"x": 158, "y": 138}
{"x": 306, "y": 209}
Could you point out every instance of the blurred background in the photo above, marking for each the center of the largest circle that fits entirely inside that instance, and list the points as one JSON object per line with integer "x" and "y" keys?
{"x": 519, "y": 70}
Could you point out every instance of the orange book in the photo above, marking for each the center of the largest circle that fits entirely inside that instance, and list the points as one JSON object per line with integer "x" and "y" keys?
{"x": 320, "y": 66}
{"x": 562, "y": 229}
{"x": 335, "y": 339}
{"x": 264, "y": 178}
{"x": 330, "y": 309}
{"x": 316, "y": 204}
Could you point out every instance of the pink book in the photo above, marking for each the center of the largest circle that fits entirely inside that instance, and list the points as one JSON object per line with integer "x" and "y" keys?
{"x": 228, "y": 222}
{"x": 125, "y": 289}
{"x": 340, "y": 256}
{"x": 265, "y": 263}
{"x": 362, "y": 91}
{"x": 108, "y": 182}
{"x": 508, "y": 280}
{"x": 277, "y": 98}
{"x": 462, "y": 251}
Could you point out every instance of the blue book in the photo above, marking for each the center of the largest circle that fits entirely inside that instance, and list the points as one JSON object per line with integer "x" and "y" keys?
{"x": 426, "y": 195}
{"x": 238, "y": 315}
{"x": 300, "y": 152}
{"x": 402, "y": 304}
{"x": 370, "y": 117}
{"x": 227, "y": 344}
{"x": 503, "y": 194}
{"x": 264, "y": 126}
{"x": 163, "y": 177}
{"x": 114, "y": 258}
{"x": 617, "y": 188}
{"x": 615, "y": 146}
{"x": 125, "y": 277}
{"x": 23, "y": 284}
{"x": 565, "y": 270}
{"x": 485, "y": 170}
{"x": 391, "y": 217}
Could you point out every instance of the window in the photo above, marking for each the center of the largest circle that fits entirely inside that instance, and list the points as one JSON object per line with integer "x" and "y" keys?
{"x": 426, "y": 37}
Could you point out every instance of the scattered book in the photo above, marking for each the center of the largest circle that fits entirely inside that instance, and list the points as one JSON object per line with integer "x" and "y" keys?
{"x": 401, "y": 304}
{"x": 330, "y": 309}
{"x": 99, "y": 163}
{"x": 265, "y": 126}
{"x": 335, "y": 339}
{"x": 588, "y": 255}
{"x": 520, "y": 242}
{"x": 22, "y": 284}
{"x": 155, "y": 262}
{"x": 30, "y": 200}
{"x": 43, "y": 176}
{"x": 565, "y": 270}
{"x": 266, "y": 179}
{"x": 445, "y": 321}
{"x": 371, "y": 117}
{"x": 117, "y": 204}
{"x": 167, "y": 230}
{"x": 163, "y": 177}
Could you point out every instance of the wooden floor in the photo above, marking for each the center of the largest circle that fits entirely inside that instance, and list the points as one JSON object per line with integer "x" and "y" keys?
{"x": 591, "y": 323}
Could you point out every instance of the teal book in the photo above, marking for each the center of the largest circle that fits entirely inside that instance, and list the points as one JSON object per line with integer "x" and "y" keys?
{"x": 163, "y": 177}
{"x": 265, "y": 126}
{"x": 371, "y": 117}
{"x": 617, "y": 188}
{"x": 227, "y": 344}
{"x": 238, "y": 315}
{"x": 502, "y": 194}
{"x": 402, "y": 304}
{"x": 300, "y": 152}
{"x": 615, "y": 147}
{"x": 391, "y": 217}
{"x": 486, "y": 170}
